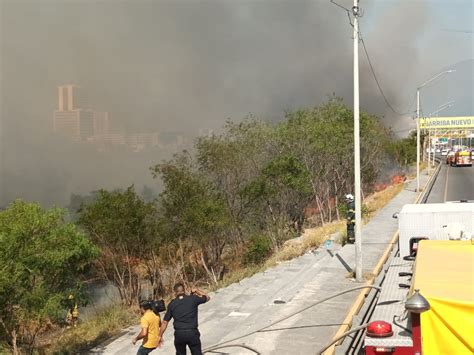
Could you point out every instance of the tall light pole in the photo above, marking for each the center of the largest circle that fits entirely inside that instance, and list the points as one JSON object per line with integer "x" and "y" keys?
{"x": 418, "y": 123}
{"x": 417, "y": 139}
{"x": 440, "y": 108}
{"x": 357, "y": 194}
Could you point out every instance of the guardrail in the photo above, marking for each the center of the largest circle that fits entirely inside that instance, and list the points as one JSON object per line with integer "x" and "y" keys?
{"x": 429, "y": 186}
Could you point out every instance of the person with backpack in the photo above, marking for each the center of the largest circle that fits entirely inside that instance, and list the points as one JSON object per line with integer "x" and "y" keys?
{"x": 184, "y": 311}
{"x": 150, "y": 328}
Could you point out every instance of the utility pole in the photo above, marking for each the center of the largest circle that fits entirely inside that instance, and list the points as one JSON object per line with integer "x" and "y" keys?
{"x": 439, "y": 146}
{"x": 430, "y": 116}
{"x": 417, "y": 139}
{"x": 357, "y": 194}
{"x": 429, "y": 150}
{"x": 418, "y": 122}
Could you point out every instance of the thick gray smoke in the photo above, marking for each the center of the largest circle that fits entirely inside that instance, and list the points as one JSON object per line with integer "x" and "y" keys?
{"x": 185, "y": 65}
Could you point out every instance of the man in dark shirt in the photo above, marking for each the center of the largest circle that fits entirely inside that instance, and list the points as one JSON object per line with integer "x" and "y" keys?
{"x": 184, "y": 311}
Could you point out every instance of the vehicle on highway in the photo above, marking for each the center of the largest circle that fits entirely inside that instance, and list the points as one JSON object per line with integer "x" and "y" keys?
{"x": 462, "y": 158}
{"x": 425, "y": 305}
{"x": 444, "y": 152}
{"x": 450, "y": 157}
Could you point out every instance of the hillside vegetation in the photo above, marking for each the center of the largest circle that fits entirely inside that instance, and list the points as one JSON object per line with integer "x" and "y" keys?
{"x": 226, "y": 209}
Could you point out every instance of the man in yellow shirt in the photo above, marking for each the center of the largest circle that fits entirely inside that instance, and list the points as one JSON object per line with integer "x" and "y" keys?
{"x": 150, "y": 324}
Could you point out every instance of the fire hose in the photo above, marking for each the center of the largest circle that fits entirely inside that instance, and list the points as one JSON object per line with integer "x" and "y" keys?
{"x": 223, "y": 344}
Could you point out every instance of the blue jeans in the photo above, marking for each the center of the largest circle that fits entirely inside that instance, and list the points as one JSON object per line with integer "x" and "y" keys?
{"x": 144, "y": 351}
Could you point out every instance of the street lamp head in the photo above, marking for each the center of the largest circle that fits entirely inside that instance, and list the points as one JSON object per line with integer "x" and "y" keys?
{"x": 435, "y": 77}
{"x": 442, "y": 107}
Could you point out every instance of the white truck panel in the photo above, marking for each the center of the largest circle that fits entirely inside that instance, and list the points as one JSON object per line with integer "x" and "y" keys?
{"x": 434, "y": 221}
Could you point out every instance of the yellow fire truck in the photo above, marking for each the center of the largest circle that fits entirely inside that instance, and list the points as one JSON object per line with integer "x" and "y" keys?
{"x": 462, "y": 158}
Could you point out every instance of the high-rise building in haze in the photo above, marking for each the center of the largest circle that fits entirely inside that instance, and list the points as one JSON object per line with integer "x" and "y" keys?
{"x": 74, "y": 118}
{"x": 71, "y": 97}
{"x": 101, "y": 123}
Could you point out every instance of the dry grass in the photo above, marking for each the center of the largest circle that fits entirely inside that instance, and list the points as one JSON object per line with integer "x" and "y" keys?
{"x": 367, "y": 276}
{"x": 412, "y": 170}
{"x": 378, "y": 200}
{"x": 311, "y": 238}
{"x": 104, "y": 325}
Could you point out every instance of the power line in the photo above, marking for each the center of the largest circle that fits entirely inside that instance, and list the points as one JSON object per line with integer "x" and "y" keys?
{"x": 372, "y": 67}
{"x": 378, "y": 83}
{"x": 345, "y": 9}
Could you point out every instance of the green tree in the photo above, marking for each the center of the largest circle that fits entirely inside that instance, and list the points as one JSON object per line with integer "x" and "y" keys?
{"x": 322, "y": 139}
{"x": 279, "y": 195}
{"x": 230, "y": 162}
{"x": 126, "y": 230}
{"x": 76, "y": 201}
{"x": 404, "y": 150}
{"x": 42, "y": 259}
{"x": 260, "y": 179}
{"x": 194, "y": 214}
{"x": 258, "y": 250}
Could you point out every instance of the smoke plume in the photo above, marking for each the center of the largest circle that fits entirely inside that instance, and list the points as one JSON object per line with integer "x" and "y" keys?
{"x": 182, "y": 66}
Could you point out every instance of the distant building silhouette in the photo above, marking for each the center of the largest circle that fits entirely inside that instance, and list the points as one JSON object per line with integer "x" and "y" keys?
{"x": 72, "y": 97}
{"x": 143, "y": 141}
{"x": 74, "y": 118}
{"x": 101, "y": 123}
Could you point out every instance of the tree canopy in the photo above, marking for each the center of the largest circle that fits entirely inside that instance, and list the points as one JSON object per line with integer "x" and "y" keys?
{"x": 42, "y": 258}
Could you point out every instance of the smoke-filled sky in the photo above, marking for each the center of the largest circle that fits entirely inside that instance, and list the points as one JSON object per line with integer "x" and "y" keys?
{"x": 183, "y": 65}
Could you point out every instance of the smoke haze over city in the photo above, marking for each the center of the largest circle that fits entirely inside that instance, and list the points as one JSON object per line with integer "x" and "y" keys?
{"x": 184, "y": 67}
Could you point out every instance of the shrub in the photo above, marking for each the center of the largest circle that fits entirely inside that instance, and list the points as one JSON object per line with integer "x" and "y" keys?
{"x": 258, "y": 250}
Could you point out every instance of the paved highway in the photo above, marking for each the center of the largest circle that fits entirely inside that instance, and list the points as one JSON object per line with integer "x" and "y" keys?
{"x": 453, "y": 184}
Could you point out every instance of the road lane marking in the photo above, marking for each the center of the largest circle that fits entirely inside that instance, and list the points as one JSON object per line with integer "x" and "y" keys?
{"x": 446, "y": 185}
